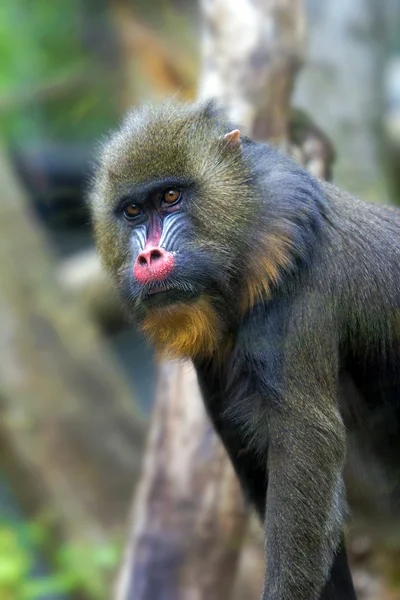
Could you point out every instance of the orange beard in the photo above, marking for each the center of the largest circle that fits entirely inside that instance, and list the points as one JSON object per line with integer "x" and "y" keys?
{"x": 183, "y": 330}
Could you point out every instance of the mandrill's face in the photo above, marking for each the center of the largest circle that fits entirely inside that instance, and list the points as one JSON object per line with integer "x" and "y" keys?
{"x": 166, "y": 266}
{"x": 171, "y": 207}
{"x": 170, "y": 278}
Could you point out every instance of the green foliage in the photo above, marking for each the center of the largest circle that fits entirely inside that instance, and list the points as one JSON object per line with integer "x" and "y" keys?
{"x": 77, "y": 568}
{"x": 52, "y": 84}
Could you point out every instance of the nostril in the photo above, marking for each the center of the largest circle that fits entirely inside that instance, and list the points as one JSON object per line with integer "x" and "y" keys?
{"x": 155, "y": 255}
{"x": 147, "y": 257}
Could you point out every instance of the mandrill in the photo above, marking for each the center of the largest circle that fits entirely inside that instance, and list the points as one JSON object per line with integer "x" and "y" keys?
{"x": 285, "y": 294}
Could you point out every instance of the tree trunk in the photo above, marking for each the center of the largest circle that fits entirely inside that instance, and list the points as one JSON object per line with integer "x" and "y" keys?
{"x": 251, "y": 54}
{"x": 188, "y": 519}
{"x": 341, "y": 86}
{"x": 70, "y": 438}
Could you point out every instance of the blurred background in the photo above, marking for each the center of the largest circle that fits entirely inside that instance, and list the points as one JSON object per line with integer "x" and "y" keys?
{"x": 76, "y": 383}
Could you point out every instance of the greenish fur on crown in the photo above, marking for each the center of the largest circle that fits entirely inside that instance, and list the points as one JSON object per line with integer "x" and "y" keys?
{"x": 149, "y": 146}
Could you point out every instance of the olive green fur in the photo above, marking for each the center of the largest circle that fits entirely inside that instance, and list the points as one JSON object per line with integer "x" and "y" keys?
{"x": 169, "y": 138}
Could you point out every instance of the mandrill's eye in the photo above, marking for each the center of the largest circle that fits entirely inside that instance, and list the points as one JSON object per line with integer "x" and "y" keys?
{"x": 131, "y": 211}
{"x": 171, "y": 196}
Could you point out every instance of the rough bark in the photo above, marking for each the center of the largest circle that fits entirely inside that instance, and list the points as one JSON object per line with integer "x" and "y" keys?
{"x": 70, "y": 438}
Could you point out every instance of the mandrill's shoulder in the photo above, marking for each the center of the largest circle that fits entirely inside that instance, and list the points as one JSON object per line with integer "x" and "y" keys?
{"x": 286, "y": 186}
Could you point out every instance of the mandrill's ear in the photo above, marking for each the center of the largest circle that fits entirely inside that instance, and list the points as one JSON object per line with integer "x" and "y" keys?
{"x": 233, "y": 137}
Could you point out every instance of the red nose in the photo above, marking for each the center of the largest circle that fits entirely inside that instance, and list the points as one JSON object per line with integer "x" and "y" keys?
{"x": 153, "y": 264}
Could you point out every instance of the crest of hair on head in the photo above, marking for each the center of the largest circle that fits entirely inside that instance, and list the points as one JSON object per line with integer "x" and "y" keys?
{"x": 183, "y": 330}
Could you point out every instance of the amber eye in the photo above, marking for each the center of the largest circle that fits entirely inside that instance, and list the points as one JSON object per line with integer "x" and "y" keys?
{"x": 171, "y": 196}
{"x": 131, "y": 211}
